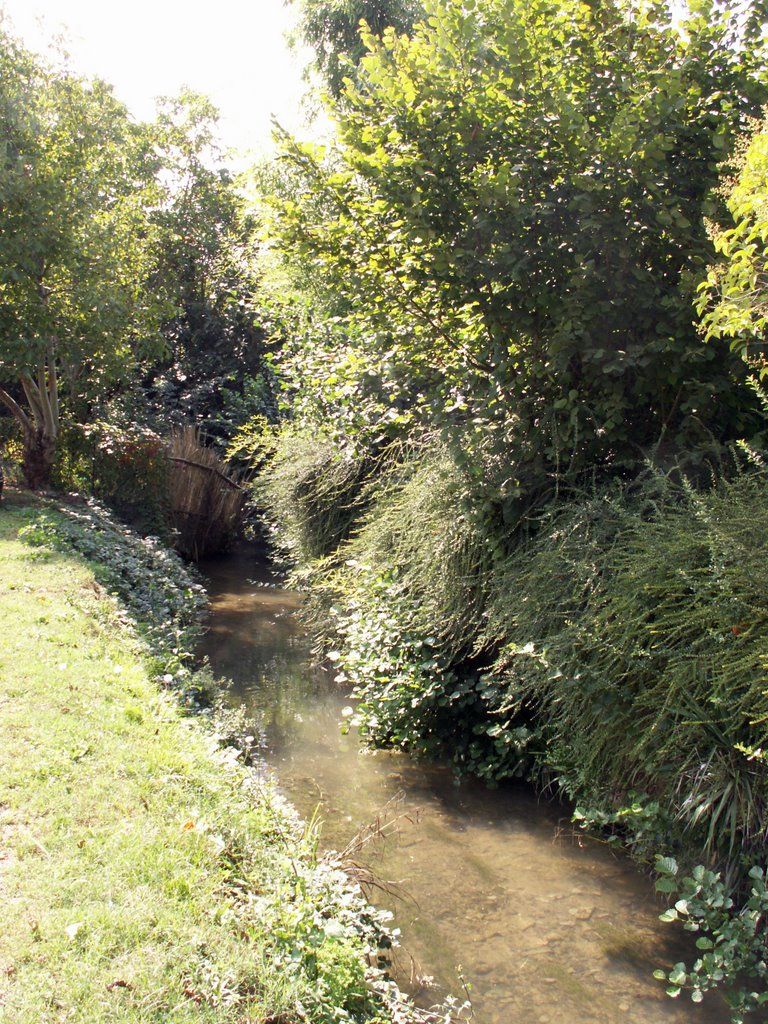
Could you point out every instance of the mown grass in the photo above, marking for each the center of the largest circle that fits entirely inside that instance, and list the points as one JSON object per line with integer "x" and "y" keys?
{"x": 144, "y": 874}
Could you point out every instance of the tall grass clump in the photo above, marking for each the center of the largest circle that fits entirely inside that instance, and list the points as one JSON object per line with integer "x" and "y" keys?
{"x": 406, "y": 597}
{"x": 312, "y": 495}
{"x": 632, "y": 631}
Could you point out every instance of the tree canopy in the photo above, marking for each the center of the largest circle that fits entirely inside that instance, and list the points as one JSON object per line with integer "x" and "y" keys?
{"x": 124, "y": 253}
{"x": 207, "y": 263}
{"x": 734, "y": 297}
{"x": 332, "y": 29}
{"x": 510, "y": 228}
{"x": 77, "y": 182}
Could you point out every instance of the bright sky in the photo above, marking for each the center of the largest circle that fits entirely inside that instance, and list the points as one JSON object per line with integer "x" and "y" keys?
{"x": 232, "y": 50}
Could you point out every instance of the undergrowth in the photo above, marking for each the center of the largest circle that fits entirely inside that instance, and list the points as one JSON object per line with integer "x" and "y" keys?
{"x": 406, "y": 600}
{"x": 633, "y": 630}
{"x": 617, "y": 652}
{"x": 311, "y": 495}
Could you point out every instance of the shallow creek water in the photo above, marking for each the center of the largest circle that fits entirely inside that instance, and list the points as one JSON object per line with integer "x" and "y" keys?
{"x": 494, "y": 888}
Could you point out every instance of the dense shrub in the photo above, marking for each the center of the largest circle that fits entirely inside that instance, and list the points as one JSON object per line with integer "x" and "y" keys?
{"x": 503, "y": 238}
{"x": 311, "y": 495}
{"x": 621, "y": 650}
{"x": 403, "y": 598}
{"x": 125, "y": 467}
{"x": 634, "y": 626}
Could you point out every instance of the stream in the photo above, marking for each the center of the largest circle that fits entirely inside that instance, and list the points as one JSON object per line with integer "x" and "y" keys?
{"x": 491, "y": 889}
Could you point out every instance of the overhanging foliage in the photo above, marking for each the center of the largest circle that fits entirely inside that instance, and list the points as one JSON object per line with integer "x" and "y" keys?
{"x": 510, "y": 230}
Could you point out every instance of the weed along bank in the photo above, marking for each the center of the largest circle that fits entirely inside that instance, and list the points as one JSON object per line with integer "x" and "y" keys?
{"x": 615, "y": 656}
{"x": 145, "y": 872}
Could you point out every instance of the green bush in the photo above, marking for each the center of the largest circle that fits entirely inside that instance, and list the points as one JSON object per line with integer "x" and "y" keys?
{"x": 312, "y": 495}
{"x": 403, "y": 599}
{"x": 124, "y": 466}
{"x": 731, "y": 939}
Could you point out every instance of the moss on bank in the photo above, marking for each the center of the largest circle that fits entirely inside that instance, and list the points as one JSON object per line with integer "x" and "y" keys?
{"x": 145, "y": 875}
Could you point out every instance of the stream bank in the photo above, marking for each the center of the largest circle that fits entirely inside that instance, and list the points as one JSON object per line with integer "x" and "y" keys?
{"x": 145, "y": 876}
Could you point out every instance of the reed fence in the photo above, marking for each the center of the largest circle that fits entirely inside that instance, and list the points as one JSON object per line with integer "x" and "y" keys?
{"x": 206, "y": 500}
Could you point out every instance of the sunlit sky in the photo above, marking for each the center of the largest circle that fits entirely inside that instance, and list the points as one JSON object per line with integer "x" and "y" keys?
{"x": 232, "y": 50}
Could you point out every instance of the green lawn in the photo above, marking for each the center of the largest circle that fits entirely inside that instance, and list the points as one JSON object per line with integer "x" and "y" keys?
{"x": 144, "y": 876}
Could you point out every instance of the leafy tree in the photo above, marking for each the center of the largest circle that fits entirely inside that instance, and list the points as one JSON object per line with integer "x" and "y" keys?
{"x": 213, "y": 367}
{"x": 332, "y": 29}
{"x": 733, "y": 300}
{"x": 76, "y": 180}
{"x": 511, "y": 222}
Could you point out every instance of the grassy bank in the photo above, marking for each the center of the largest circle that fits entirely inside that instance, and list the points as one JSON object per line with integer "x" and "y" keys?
{"x": 612, "y": 647}
{"x": 145, "y": 874}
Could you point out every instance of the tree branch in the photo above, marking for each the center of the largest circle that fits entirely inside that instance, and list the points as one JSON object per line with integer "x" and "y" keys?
{"x": 32, "y": 395}
{"x": 43, "y": 390}
{"x": 53, "y": 383}
{"x": 16, "y": 411}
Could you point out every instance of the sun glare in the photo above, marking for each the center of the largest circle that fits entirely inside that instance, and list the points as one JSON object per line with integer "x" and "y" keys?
{"x": 234, "y": 52}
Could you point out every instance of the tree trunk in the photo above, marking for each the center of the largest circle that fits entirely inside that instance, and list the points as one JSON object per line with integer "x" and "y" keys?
{"x": 40, "y": 423}
{"x": 39, "y": 450}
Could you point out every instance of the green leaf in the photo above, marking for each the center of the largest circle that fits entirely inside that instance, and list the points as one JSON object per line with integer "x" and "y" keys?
{"x": 678, "y": 975}
{"x": 666, "y": 885}
{"x": 666, "y": 865}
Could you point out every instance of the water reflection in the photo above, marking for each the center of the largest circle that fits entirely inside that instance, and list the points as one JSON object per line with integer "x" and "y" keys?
{"x": 496, "y": 891}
